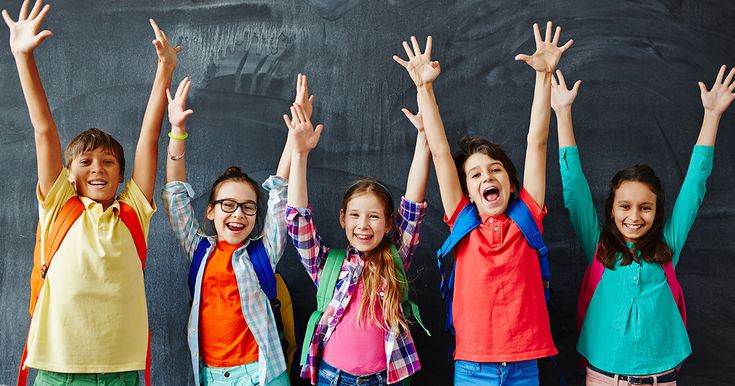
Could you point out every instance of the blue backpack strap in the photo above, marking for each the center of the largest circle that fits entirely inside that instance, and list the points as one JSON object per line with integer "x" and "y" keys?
{"x": 196, "y": 262}
{"x": 467, "y": 220}
{"x": 520, "y": 214}
{"x": 263, "y": 268}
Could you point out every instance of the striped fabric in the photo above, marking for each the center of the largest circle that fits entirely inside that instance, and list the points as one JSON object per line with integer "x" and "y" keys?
{"x": 256, "y": 308}
{"x": 401, "y": 357}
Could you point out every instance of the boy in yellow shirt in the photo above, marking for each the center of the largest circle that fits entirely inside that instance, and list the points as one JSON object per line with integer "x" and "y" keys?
{"x": 90, "y": 322}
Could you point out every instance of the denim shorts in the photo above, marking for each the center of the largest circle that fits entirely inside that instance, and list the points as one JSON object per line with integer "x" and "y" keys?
{"x": 50, "y": 378}
{"x": 243, "y": 375}
{"x": 522, "y": 373}
{"x": 331, "y": 376}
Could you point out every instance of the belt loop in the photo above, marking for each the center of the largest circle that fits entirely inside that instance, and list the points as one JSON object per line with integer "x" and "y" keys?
{"x": 337, "y": 373}
{"x": 655, "y": 380}
{"x": 616, "y": 378}
{"x": 69, "y": 379}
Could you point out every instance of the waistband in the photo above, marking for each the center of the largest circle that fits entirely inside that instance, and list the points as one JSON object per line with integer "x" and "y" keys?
{"x": 645, "y": 380}
{"x": 353, "y": 378}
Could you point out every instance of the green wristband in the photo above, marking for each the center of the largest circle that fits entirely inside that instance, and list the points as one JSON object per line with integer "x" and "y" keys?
{"x": 180, "y": 137}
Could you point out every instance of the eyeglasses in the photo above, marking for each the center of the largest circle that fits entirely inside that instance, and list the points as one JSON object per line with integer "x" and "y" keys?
{"x": 230, "y": 206}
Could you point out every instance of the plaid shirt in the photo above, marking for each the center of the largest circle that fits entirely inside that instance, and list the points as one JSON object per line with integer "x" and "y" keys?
{"x": 401, "y": 357}
{"x": 256, "y": 308}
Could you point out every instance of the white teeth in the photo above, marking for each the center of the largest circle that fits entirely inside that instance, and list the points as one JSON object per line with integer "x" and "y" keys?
{"x": 635, "y": 227}
{"x": 97, "y": 183}
{"x": 363, "y": 237}
{"x": 235, "y": 226}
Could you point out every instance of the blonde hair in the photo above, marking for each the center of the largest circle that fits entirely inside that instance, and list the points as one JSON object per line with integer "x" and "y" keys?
{"x": 380, "y": 271}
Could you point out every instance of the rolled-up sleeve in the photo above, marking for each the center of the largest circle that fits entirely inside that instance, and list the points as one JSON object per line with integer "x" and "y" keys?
{"x": 306, "y": 239}
{"x": 408, "y": 223}
{"x": 177, "y": 196}
{"x": 274, "y": 228}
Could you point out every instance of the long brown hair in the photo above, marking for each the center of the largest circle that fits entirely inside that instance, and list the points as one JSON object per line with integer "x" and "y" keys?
{"x": 379, "y": 269}
{"x": 651, "y": 246}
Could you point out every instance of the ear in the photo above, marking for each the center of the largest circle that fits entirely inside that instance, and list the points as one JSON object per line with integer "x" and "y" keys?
{"x": 210, "y": 212}
{"x": 342, "y": 218}
{"x": 512, "y": 188}
{"x": 388, "y": 224}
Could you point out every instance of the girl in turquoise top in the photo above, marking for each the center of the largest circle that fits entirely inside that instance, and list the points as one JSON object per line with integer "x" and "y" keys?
{"x": 632, "y": 330}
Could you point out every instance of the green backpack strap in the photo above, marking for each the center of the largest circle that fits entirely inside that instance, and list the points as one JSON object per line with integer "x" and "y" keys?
{"x": 409, "y": 307}
{"x": 324, "y": 293}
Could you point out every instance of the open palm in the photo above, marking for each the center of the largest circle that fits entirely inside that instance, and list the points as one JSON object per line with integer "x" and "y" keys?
{"x": 24, "y": 35}
{"x": 548, "y": 53}
{"x": 717, "y": 99}
{"x": 419, "y": 65}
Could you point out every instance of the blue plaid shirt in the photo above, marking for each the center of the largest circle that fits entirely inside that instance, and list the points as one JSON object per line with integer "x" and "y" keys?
{"x": 256, "y": 308}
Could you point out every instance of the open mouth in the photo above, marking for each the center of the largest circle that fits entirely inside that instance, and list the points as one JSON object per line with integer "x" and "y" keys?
{"x": 491, "y": 194}
{"x": 97, "y": 183}
{"x": 633, "y": 227}
{"x": 364, "y": 238}
{"x": 235, "y": 226}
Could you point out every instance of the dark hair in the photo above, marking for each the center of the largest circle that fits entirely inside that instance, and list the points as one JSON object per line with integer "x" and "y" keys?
{"x": 234, "y": 173}
{"x": 469, "y": 145}
{"x": 91, "y": 139}
{"x": 651, "y": 246}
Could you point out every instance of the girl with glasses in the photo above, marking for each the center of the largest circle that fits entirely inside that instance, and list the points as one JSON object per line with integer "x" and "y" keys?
{"x": 232, "y": 333}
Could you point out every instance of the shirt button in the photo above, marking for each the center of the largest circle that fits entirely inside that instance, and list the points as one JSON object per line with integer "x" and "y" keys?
{"x": 495, "y": 229}
{"x": 635, "y": 277}
{"x": 491, "y": 220}
{"x": 227, "y": 374}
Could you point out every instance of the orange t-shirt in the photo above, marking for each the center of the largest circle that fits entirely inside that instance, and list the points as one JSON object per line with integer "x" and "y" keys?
{"x": 499, "y": 308}
{"x": 224, "y": 337}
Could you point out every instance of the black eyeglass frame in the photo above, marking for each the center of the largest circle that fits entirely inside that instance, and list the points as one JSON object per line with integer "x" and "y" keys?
{"x": 240, "y": 205}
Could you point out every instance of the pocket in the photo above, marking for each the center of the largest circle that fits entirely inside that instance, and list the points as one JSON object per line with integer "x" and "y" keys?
{"x": 466, "y": 367}
{"x": 528, "y": 369}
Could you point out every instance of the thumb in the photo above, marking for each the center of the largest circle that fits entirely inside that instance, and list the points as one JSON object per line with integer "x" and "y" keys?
{"x": 702, "y": 87}
{"x": 522, "y": 57}
{"x": 318, "y": 130}
{"x": 575, "y": 89}
{"x": 43, "y": 35}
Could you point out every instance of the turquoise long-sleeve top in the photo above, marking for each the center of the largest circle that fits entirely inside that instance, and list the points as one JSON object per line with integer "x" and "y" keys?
{"x": 632, "y": 325}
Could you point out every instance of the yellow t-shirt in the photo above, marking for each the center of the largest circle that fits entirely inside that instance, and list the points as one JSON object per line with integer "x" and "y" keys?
{"x": 91, "y": 314}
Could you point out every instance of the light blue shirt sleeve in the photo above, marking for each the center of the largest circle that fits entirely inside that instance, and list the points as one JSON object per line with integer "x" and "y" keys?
{"x": 275, "y": 234}
{"x": 689, "y": 200}
{"x": 578, "y": 201}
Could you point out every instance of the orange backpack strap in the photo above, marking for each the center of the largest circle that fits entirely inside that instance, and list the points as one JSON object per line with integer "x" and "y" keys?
{"x": 69, "y": 213}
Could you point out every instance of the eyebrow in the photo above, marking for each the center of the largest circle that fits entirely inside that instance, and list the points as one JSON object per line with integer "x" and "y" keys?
{"x": 628, "y": 202}
{"x": 494, "y": 163}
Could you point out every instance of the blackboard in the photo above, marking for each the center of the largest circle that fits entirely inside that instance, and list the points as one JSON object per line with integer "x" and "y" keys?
{"x": 639, "y": 60}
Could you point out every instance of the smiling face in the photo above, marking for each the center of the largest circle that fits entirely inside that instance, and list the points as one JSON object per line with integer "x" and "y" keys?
{"x": 365, "y": 221}
{"x": 96, "y": 175}
{"x": 233, "y": 227}
{"x": 488, "y": 184}
{"x": 634, "y": 209}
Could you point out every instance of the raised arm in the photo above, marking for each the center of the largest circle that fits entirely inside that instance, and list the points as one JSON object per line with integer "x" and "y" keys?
{"x": 177, "y": 115}
{"x": 418, "y": 174}
{"x": 561, "y": 101}
{"x": 146, "y": 152}
{"x": 423, "y": 72}
{"x": 543, "y": 61}
{"x": 715, "y": 102}
{"x": 24, "y": 39}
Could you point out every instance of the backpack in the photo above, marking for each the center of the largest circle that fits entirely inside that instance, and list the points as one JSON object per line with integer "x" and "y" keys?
{"x": 325, "y": 292}
{"x": 68, "y": 215}
{"x": 593, "y": 275}
{"x": 469, "y": 219}
{"x": 272, "y": 284}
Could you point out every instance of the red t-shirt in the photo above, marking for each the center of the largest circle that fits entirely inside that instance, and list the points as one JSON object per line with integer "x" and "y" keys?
{"x": 499, "y": 308}
{"x": 224, "y": 337}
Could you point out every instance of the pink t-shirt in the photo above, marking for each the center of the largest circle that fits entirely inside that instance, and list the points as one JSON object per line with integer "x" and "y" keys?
{"x": 358, "y": 350}
{"x": 499, "y": 308}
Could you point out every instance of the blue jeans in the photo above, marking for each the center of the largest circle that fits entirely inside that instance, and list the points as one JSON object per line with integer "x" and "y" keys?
{"x": 331, "y": 376}
{"x": 243, "y": 375}
{"x": 50, "y": 378}
{"x": 523, "y": 373}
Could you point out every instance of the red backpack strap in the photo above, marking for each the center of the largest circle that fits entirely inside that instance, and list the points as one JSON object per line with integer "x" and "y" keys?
{"x": 131, "y": 221}
{"x": 676, "y": 290}
{"x": 67, "y": 216}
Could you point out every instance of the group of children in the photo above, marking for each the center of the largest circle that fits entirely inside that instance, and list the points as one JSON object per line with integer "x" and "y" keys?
{"x": 88, "y": 309}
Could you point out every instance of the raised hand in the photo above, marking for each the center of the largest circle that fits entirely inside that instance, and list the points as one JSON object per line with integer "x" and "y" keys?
{"x": 177, "y": 111}
{"x": 303, "y": 98}
{"x": 419, "y": 65}
{"x": 305, "y": 137}
{"x": 24, "y": 35}
{"x": 548, "y": 52}
{"x": 165, "y": 51}
{"x": 717, "y": 99}
{"x": 416, "y": 119}
{"x": 561, "y": 97}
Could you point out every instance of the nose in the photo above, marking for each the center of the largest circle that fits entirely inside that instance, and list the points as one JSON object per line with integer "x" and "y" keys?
{"x": 362, "y": 222}
{"x": 635, "y": 213}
